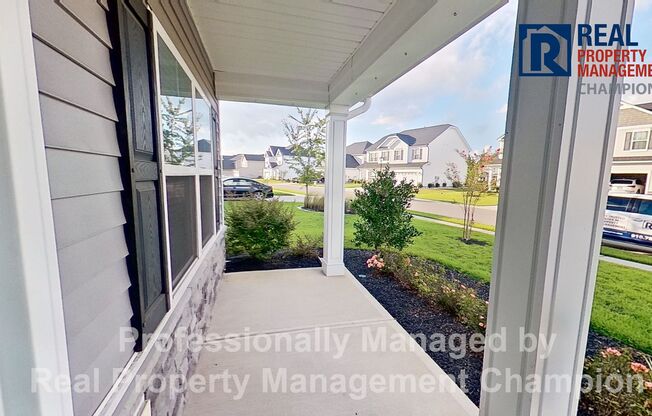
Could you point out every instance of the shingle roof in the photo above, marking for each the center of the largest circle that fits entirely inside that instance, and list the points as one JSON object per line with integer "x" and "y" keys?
{"x": 647, "y": 106}
{"x": 254, "y": 158}
{"x": 227, "y": 157}
{"x": 351, "y": 162}
{"x": 415, "y": 137}
{"x": 285, "y": 151}
{"x": 357, "y": 148}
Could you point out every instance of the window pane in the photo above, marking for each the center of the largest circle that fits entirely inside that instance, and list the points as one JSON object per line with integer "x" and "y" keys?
{"x": 206, "y": 195}
{"x": 182, "y": 219}
{"x": 176, "y": 110}
{"x": 645, "y": 207}
{"x": 617, "y": 204}
{"x": 203, "y": 132}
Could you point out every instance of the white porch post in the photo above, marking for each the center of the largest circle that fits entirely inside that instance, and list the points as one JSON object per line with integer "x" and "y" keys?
{"x": 34, "y": 351}
{"x": 553, "y": 189}
{"x": 333, "y": 260}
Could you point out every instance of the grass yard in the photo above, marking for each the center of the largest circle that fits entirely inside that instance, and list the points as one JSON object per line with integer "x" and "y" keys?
{"x": 623, "y": 297}
{"x": 642, "y": 258}
{"x": 452, "y": 220}
{"x": 454, "y": 196}
{"x": 283, "y": 192}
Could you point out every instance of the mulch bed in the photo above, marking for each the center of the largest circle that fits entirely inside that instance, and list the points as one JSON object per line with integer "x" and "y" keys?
{"x": 416, "y": 315}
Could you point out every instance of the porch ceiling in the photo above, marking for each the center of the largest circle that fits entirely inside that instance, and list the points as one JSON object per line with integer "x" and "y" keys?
{"x": 317, "y": 52}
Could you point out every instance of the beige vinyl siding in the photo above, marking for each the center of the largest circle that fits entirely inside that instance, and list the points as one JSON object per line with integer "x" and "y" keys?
{"x": 72, "y": 51}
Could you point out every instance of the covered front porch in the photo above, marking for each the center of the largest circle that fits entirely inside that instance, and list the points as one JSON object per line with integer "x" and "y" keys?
{"x": 274, "y": 330}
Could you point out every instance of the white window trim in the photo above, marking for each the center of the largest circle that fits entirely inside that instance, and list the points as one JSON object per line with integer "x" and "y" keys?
{"x": 634, "y": 131}
{"x": 177, "y": 291}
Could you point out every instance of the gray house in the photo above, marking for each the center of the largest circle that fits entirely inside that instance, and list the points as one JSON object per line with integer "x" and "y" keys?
{"x": 244, "y": 165}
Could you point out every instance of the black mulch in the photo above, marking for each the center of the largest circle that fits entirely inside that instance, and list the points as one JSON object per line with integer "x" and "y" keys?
{"x": 413, "y": 313}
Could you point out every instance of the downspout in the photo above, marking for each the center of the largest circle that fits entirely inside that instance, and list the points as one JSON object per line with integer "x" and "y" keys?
{"x": 360, "y": 110}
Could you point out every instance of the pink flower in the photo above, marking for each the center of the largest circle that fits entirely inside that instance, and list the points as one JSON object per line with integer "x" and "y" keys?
{"x": 481, "y": 325}
{"x": 611, "y": 352}
{"x": 639, "y": 368}
{"x": 648, "y": 385}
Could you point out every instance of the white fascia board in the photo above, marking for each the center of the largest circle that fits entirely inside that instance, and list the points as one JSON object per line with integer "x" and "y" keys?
{"x": 412, "y": 31}
{"x": 270, "y": 90}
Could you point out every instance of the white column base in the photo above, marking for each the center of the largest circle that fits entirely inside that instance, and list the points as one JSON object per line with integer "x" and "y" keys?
{"x": 332, "y": 269}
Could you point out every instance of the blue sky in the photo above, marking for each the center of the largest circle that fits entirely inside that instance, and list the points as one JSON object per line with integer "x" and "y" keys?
{"x": 465, "y": 84}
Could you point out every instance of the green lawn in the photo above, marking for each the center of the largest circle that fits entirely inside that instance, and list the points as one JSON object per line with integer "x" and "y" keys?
{"x": 454, "y": 196}
{"x": 623, "y": 297}
{"x": 627, "y": 255}
{"x": 283, "y": 192}
{"x": 452, "y": 220}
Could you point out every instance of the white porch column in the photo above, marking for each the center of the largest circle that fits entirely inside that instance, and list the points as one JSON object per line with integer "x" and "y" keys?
{"x": 34, "y": 351}
{"x": 552, "y": 196}
{"x": 333, "y": 260}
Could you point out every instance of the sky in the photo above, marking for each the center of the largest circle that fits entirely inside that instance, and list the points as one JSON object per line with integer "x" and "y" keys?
{"x": 465, "y": 84}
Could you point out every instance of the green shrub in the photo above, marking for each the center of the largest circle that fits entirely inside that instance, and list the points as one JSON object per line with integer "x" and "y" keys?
{"x": 306, "y": 246}
{"x": 611, "y": 367}
{"x": 258, "y": 228}
{"x": 383, "y": 218}
{"x": 428, "y": 281}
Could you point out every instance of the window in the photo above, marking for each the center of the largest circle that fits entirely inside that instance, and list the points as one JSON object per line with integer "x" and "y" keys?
{"x": 182, "y": 226}
{"x": 373, "y": 157}
{"x": 617, "y": 203}
{"x": 188, "y": 142}
{"x": 398, "y": 154}
{"x": 176, "y": 109}
{"x": 637, "y": 140}
{"x": 206, "y": 199}
{"x": 203, "y": 132}
{"x": 645, "y": 207}
{"x": 384, "y": 156}
{"x": 417, "y": 153}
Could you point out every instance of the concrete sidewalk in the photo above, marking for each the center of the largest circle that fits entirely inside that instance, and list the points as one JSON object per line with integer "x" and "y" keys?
{"x": 282, "y": 306}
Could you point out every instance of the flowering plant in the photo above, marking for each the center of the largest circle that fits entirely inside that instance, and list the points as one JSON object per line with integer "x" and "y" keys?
{"x": 376, "y": 262}
{"x": 616, "y": 384}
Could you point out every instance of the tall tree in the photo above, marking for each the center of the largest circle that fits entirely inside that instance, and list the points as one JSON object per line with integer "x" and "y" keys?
{"x": 306, "y": 133}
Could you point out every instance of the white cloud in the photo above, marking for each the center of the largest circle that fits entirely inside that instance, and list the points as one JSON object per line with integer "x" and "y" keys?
{"x": 502, "y": 110}
{"x": 251, "y": 128}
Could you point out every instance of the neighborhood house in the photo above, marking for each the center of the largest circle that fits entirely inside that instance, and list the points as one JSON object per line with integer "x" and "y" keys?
{"x": 419, "y": 155}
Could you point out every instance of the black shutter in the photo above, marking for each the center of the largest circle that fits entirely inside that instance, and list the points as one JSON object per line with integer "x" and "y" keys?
{"x": 628, "y": 141}
{"x": 217, "y": 154}
{"x": 149, "y": 285}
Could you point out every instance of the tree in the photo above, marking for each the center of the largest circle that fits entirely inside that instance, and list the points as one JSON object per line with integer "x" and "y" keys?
{"x": 452, "y": 173}
{"x": 474, "y": 186}
{"x": 383, "y": 218}
{"x": 178, "y": 135}
{"x": 306, "y": 133}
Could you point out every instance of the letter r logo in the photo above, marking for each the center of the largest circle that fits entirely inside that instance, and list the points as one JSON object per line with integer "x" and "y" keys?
{"x": 544, "y": 50}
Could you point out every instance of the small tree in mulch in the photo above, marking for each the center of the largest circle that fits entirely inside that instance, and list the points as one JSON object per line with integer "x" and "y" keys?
{"x": 474, "y": 186}
{"x": 383, "y": 218}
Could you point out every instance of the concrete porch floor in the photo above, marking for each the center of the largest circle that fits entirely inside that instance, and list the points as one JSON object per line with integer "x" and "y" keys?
{"x": 300, "y": 309}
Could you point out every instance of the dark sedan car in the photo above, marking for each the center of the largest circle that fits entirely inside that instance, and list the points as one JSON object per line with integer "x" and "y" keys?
{"x": 246, "y": 188}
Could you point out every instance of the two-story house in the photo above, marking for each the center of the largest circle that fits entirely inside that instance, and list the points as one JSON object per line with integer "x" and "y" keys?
{"x": 493, "y": 170}
{"x": 277, "y": 163}
{"x": 420, "y": 155}
{"x": 245, "y": 165}
{"x": 632, "y": 158}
